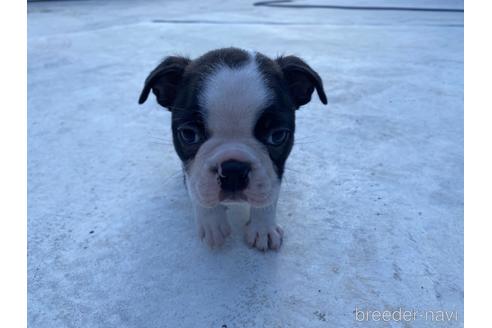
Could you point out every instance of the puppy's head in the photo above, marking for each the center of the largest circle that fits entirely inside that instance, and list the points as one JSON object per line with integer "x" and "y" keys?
{"x": 233, "y": 120}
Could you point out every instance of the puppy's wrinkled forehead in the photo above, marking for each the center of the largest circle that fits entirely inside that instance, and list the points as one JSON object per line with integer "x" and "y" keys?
{"x": 233, "y": 96}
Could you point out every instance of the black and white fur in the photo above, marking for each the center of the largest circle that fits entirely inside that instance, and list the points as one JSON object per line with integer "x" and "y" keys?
{"x": 234, "y": 106}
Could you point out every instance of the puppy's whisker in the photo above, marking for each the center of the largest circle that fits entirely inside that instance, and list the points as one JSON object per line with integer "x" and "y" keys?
{"x": 306, "y": 138}
{"x": 174, "y": 108}
{"x": 292, "y": 170}
{"x": 160, "y": 143}
{"x": 157, "y": 137}
{"x": 303, "y": 142}
{"x": 307, "y": 142}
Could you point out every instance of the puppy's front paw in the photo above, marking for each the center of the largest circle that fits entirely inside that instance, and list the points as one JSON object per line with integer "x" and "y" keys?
{"x": 214, "y": 232}
{"x": 264, "y": 236}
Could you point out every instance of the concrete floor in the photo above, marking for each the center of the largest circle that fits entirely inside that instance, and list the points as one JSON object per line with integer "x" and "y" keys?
{"x": 372, "y": 204}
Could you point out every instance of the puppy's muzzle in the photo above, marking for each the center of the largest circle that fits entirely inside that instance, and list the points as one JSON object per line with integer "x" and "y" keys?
{"x": 234, "y": 175}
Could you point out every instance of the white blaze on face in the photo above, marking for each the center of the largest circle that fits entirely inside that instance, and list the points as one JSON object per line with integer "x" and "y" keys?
{"x": 232, "y": 100}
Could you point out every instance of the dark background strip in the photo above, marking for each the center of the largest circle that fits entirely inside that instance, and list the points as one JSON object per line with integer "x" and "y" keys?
{"x": 289, "y": 4}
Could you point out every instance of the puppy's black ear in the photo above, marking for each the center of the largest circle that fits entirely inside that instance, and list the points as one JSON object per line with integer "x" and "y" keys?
{"x": 164, "y": 80}
{"x": 301, "y": 80}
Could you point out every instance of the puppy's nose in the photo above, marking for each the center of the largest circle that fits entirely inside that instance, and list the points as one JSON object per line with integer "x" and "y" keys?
{"x": 233, "y": 175}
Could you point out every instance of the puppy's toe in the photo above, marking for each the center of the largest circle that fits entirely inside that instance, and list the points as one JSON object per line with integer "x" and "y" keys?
{"x": 225, "y": 229}
{"x": 201, "y": 232}
{"x": 261, "y": 241}
{"x": 215, "y": 234}
{"x": 275, "y": 238}
{"x": 209, "y": 238}
{"x": 218, "y": 237}
{"x": 251, "y": 237}
{"x": 264, "y": 238}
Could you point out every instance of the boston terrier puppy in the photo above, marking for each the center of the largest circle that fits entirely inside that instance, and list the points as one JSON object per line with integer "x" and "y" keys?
{"x": 233, "y": 122}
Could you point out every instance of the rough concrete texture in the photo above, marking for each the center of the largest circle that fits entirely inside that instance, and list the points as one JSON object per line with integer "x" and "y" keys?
{"x": 372, "y": 204}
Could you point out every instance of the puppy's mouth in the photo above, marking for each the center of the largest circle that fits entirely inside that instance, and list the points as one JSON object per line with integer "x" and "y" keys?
{"x": 235, "y": 196}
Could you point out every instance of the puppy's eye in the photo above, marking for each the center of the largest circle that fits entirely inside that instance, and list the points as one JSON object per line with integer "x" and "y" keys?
{"x": 189, "y": 135}
{"x": 278, "y": 137}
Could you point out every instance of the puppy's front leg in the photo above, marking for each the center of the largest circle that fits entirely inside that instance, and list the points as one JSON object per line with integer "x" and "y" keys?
{"x": 212, "y": 224}
{"x": 262, "y": 231}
